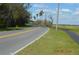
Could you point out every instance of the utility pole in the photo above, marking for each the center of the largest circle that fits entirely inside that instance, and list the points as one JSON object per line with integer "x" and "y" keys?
{"x": 58, "y": 8}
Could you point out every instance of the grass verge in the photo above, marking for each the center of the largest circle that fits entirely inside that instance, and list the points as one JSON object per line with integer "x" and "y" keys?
{"x": 53, "y": 43}
{"x": 71, "y": 28}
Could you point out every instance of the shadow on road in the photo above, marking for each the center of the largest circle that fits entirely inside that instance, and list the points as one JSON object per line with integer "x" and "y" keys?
{"x": 9, "y": 29}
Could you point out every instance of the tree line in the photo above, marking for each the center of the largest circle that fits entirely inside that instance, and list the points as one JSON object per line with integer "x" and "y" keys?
{"x": 14, "y": 14}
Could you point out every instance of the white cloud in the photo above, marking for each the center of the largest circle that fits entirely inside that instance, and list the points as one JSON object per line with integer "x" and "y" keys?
{"x": 47, "y": 11}
{"x": 66, "y": 10}
{"x": 40, "y": 5}
{"x": 76, "y": 12}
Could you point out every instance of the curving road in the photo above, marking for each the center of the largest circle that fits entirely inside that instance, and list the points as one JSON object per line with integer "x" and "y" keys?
{"x": 12, "y": 41}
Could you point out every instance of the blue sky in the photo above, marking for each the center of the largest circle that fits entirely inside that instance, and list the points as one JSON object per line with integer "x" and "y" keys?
{"x": 69, "y": 12}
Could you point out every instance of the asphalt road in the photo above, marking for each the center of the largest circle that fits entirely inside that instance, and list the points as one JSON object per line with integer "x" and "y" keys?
{"x": 10, "y": 44}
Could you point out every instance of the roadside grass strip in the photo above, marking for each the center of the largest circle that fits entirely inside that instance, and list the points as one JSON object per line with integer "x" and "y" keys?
{"x": 52, "y": 43}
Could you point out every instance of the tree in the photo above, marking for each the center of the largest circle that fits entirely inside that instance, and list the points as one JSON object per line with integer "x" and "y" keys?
{"x": 41, "y": 13}
{"x": 37, "y": 15}
{"x": 34, "y": 17}
{"x": 51, "y": 18}
{"x": 4, "y": 9}
{"x": 20, "y": 13}
{"x": 14, "y": 14}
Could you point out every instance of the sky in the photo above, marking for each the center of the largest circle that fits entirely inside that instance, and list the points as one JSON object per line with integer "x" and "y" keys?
{"x": 68, "y": 12}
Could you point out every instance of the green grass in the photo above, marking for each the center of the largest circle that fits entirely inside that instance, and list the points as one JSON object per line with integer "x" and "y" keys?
{"x": 75, "y": 29}
{"x": 53, "y": 43}
{"x": 71, "y": 28}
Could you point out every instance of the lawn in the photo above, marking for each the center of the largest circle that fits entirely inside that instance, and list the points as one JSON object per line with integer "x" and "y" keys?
{"x": 52, "y": 43}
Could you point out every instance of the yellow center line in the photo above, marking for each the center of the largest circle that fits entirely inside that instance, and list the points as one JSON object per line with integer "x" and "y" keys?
{"x": 14, "y": 34}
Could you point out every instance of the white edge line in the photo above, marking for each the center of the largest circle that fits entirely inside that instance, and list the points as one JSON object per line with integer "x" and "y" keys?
{"x": 29, "y": 43}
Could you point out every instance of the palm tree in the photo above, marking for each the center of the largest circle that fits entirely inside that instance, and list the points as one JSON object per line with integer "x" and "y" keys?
{"x": 51, "y": 18}
{"x": 40, "y": 13}
{"x": 34, "y": 17}
{"x": 37, "y": 16}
